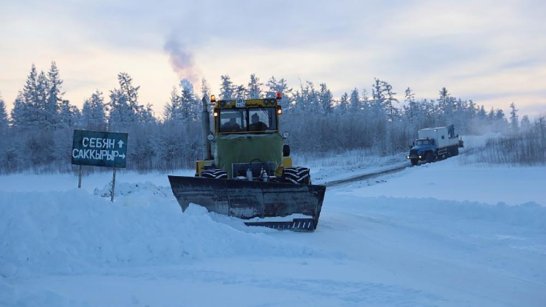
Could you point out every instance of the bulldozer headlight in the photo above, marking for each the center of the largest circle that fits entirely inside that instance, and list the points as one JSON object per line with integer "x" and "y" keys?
{"x": 212, "y": 98}
{"x": 279, "y": 110}
{"x": 215, "y": 114}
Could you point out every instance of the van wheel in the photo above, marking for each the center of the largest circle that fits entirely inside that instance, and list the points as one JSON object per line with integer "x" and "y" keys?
{"x": 429, "y": 157}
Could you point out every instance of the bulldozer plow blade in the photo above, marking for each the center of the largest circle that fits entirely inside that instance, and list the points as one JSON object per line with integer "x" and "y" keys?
{"x": 269, "y": 204}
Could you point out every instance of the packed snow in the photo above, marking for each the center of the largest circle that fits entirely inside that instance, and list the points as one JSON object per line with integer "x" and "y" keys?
{"x": 450, "y": 233}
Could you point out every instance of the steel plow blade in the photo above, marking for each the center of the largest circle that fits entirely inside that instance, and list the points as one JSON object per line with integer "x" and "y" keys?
{"x": 269, "y": 204}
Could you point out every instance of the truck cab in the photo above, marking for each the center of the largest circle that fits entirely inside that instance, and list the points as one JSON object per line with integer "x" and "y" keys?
{"x": 422, "y": 150}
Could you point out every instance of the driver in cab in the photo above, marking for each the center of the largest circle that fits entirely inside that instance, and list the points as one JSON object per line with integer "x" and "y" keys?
{"x": 256, "y": 124}
{"x": 231, "y": 126}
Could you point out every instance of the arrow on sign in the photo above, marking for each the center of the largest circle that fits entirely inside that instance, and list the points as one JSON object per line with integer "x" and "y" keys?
{"x": 122, "y": 156}
{"x": 120, "y": 143}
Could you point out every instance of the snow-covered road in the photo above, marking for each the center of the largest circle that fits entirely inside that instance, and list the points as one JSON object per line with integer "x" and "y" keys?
{"x": 443, "y": 234}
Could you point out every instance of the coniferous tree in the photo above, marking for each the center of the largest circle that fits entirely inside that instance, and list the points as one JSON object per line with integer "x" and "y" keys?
{"x": 183, "y": 107}
{"x": 525, "y": 123}
{"x": 390, "y": 108}
{"x": 446, "y": 105}
{"x": 146, "y": 114}
{"x": 173, "y": 109}
{"x": 482, "y": 115}
{"x": 39, "y": 101}
{"x": 472, "y": 109}
{"x": 93, "y": 115}
{"x": 364, "y": 101}
{"x": 188, "y": 102}
{"x": 124, "y": 108}
{"x": 54, "y": 96}
{"x": 254, "y": 87}
{"x": 412, "y": 108}
{"x": 4, "y": 124}
{"x": 306, "y": 99}
{"x": 355, "y": 104}
{"x": 275, "y": 86}
{"x": 312, "y": 98}
{"x": 20, "y": 114}
{"x": 43, "y": 123}
{"x": 325, "y": 99}
{"x": 4, "y": 138}
{"x": 69, "y": 115}
{"x": 226, "y": 88}
{"x": 499, "y": 115}
{"x": 514, "y": 121}
{"x": 25, "y": 110}
{"x": 240, "y": 92}
{"x": 46, "y": 115}
{"x": 29, "y": 95}
{"x": 343, "y": 106}
{"x": 378, "y": 98}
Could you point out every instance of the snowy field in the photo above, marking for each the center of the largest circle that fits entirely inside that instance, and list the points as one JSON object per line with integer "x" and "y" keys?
{"x": 451, "y": 233}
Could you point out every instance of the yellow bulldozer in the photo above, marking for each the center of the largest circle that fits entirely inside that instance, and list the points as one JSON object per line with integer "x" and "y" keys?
{"x": 247, "y": 171}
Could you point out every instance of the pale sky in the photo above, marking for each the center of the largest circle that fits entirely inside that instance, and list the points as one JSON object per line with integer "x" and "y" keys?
{"x": 493, "y": 52}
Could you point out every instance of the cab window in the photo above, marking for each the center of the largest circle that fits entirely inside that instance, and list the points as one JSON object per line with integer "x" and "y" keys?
{"x": 262, "y": 119}
{"x": 233, "y": 120}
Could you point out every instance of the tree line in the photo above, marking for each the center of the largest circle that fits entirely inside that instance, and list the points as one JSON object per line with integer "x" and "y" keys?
{"x": 37, "y": 134}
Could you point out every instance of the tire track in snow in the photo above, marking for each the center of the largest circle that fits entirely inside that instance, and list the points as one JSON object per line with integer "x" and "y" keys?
{"x": 391, "y": 170}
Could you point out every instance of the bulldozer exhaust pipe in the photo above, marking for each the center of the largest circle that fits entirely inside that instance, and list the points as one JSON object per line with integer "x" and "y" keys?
{"x": 205, "y": 125}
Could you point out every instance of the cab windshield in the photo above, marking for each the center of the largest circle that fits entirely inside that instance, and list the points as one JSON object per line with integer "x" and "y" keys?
{"x": 247, "y": 120}
{"x": 424, "y": 142}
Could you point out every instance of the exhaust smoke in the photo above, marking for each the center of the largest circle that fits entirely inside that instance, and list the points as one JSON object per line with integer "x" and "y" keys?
{"x": 181, "y": 60}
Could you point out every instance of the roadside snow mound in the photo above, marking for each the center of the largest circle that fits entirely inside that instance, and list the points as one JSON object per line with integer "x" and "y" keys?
{"x": 125, "y": 189}
{"x": 74, "y": 231}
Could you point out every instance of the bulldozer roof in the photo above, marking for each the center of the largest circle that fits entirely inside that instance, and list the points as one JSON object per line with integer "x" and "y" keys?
{"x": 241, "y": 103}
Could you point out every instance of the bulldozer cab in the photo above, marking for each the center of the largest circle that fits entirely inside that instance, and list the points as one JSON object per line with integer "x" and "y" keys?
{"x": 246, "y": 116}
{"x": 247, "y": 137}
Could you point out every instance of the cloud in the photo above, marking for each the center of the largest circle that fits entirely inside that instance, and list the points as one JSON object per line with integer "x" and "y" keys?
{"x": 471, "y": 47}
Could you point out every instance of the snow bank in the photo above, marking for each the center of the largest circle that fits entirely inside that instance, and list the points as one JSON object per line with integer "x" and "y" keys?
{"x": 454, "y": 179}
{"x": 75, "y": 231}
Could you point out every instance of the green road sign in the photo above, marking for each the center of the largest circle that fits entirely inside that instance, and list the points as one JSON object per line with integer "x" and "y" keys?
{"x": 99, "y": 148}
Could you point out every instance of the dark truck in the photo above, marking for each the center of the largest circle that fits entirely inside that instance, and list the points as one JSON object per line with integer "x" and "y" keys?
{"x": 434, "y": 143}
